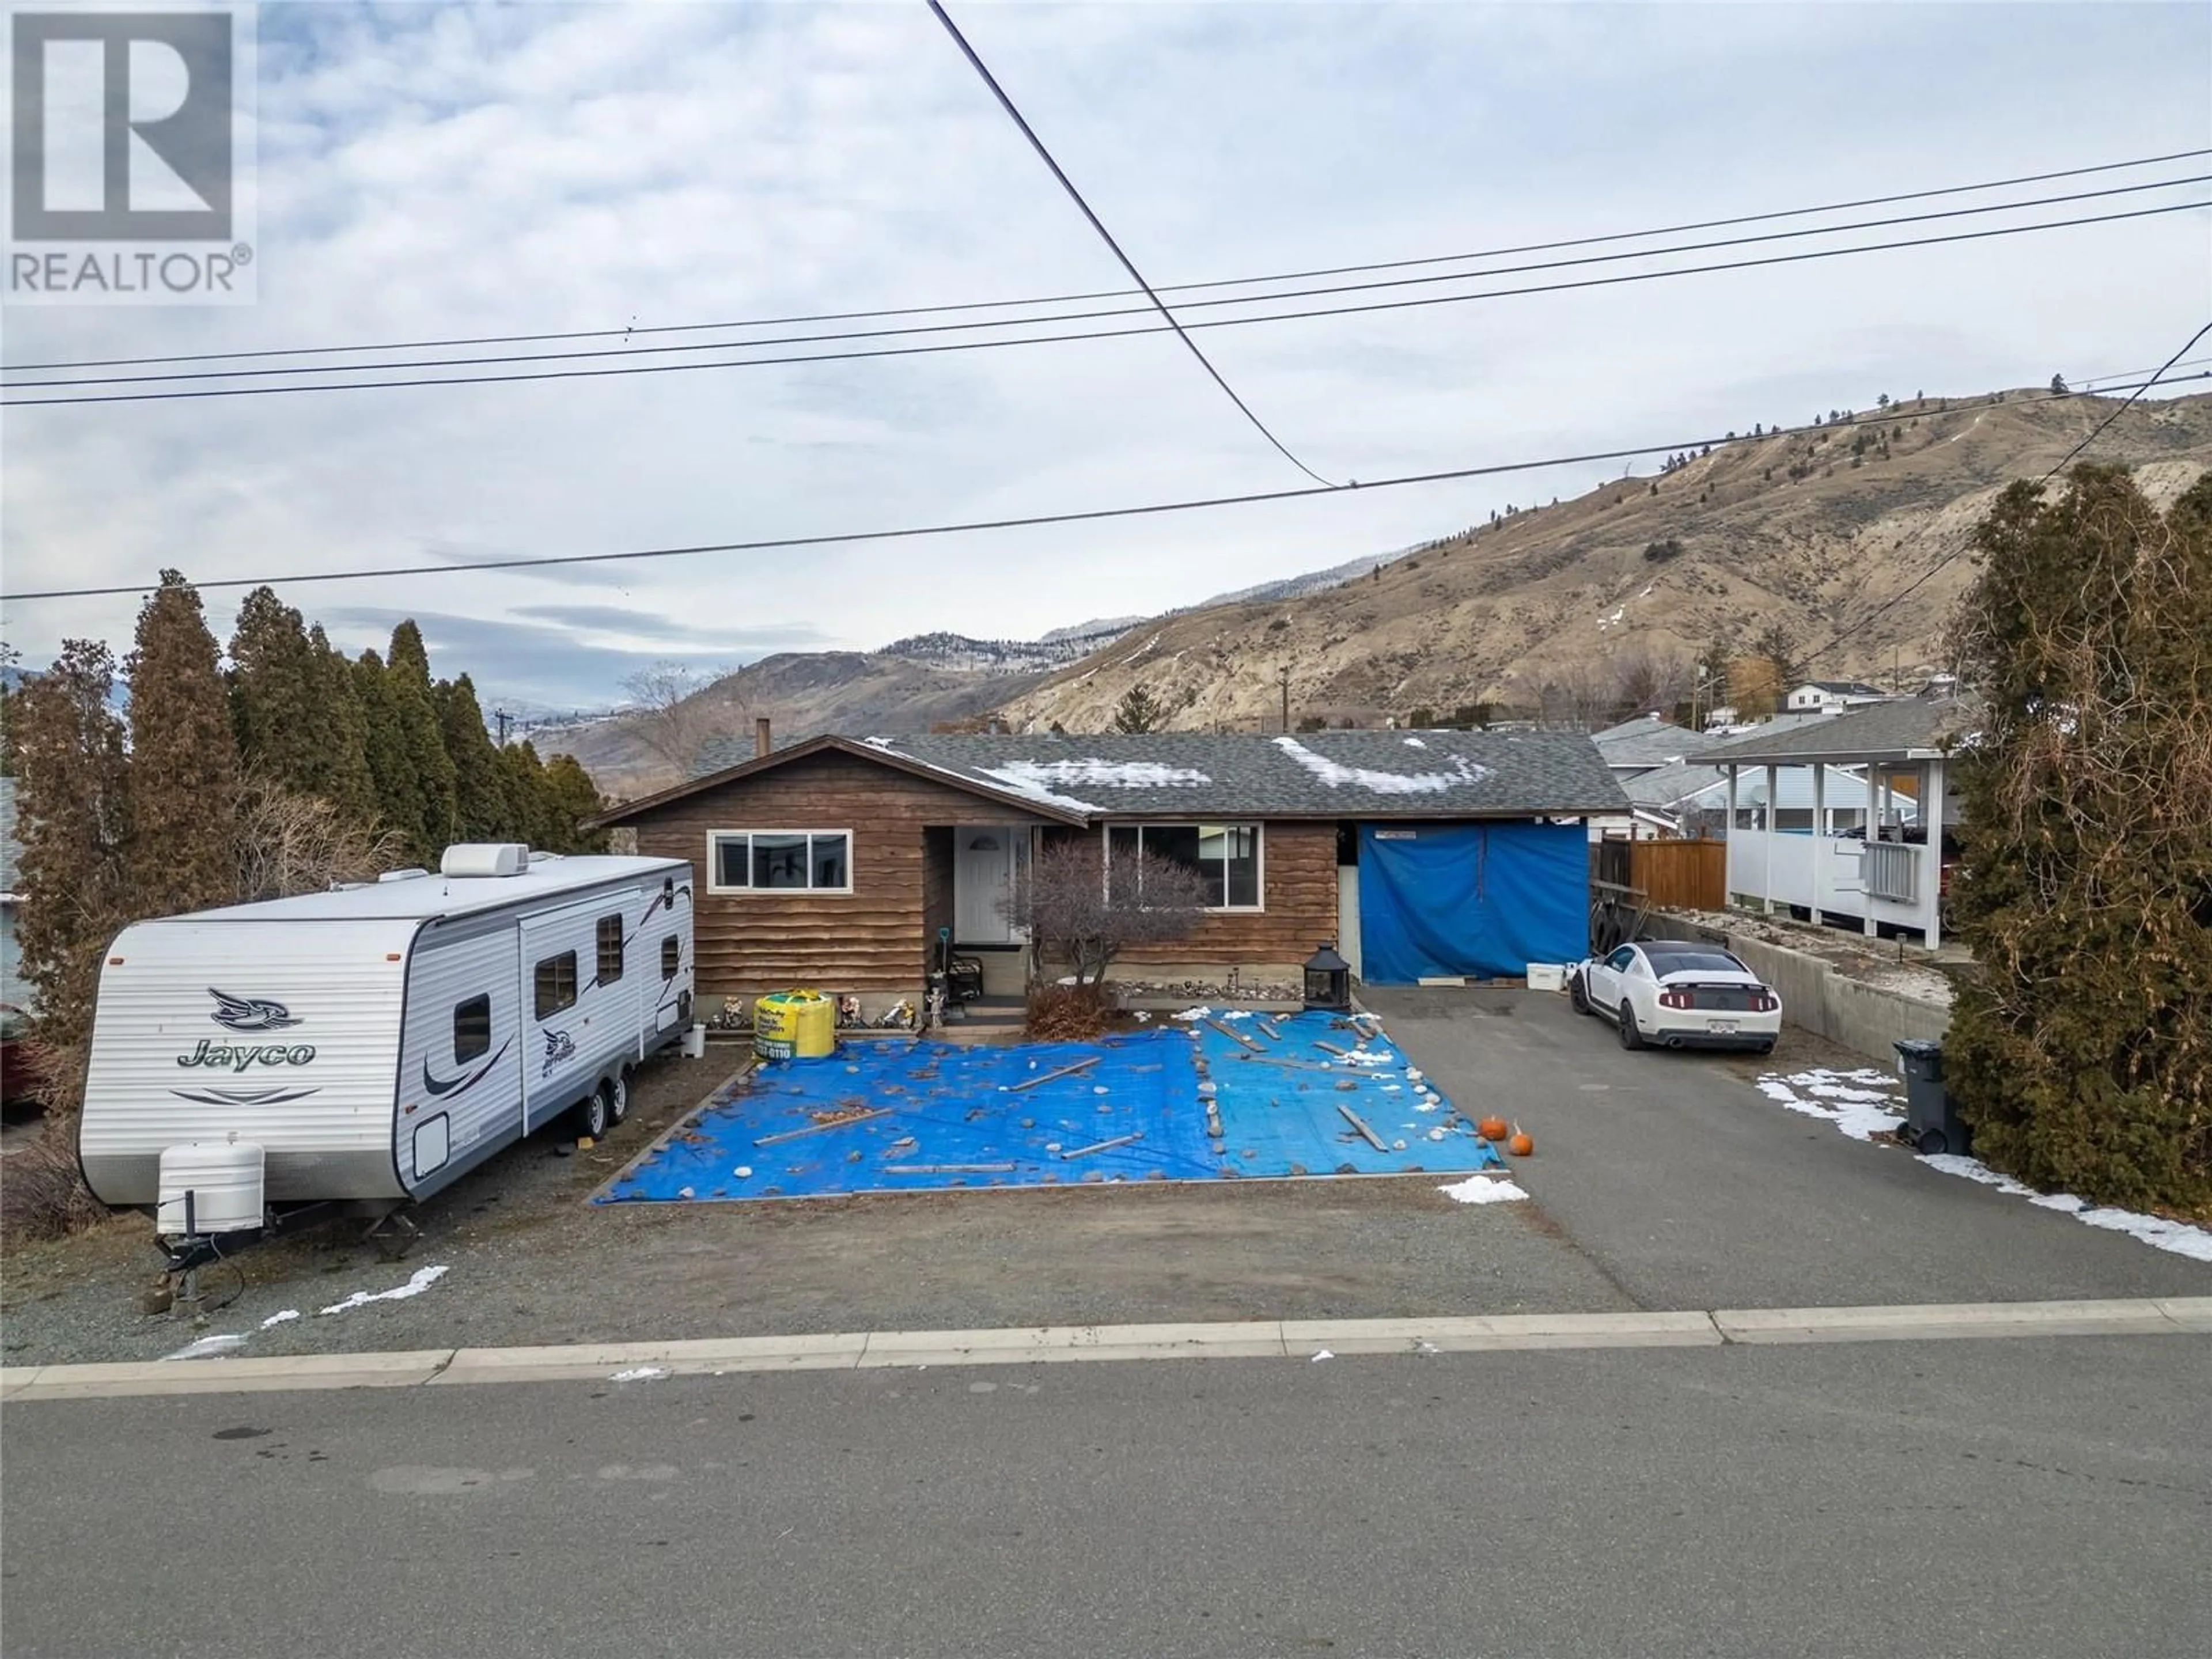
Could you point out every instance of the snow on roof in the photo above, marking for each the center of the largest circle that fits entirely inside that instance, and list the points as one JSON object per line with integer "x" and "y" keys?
{"x": 1334, "y": 773}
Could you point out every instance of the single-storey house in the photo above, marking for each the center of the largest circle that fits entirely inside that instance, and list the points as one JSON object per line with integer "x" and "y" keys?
{"x": 1885, "y": 872}
{"x": 1827, "y": 697}
{"x": 838, "y": 862}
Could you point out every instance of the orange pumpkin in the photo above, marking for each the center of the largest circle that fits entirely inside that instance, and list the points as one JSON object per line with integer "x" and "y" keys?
{"x": 1520, "y": 1145}
{"x": 1491, "y": 1128}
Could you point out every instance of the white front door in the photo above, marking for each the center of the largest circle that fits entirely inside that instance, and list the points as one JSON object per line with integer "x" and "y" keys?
{"x": 982, "y": 875}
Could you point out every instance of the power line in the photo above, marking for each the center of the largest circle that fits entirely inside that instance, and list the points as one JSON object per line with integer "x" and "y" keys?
{"x": 1881, "y": 417}
{"x": 1123, "y": 311}
{"x": 1106, "y": 237}
{"x": 1121, "y": 293}
{"x": 2064, "y": 461}
{"x": 1368, "y": 307}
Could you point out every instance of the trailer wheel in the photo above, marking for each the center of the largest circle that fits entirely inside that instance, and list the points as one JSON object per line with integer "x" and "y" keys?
{"x": 617, "y": 1090}
{"x": 590, "y": 1114}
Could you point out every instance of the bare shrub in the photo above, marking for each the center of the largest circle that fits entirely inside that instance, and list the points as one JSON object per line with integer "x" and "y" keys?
{"x": 42, "y": 1194}
{"x": 1084, "y": 909}
{"x": 292, "y": 843}
{"x": 1067, "y": 1013}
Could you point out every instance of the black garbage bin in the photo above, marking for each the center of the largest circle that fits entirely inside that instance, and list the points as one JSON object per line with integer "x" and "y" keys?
{"x": 1930, "y": 1124}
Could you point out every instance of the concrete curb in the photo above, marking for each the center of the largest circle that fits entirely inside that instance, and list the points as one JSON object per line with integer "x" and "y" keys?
{"x": 1267, "y": 1338}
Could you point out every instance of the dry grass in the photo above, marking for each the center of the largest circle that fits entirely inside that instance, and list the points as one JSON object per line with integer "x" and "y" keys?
{"x": 42, "y": 1195}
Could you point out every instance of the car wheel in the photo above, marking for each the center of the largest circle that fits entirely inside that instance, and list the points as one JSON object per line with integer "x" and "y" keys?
{"x": 1762, "y": 1048}
{"x": 617, "y": 1089}
{"x": 590, "y": 1115}
{"x": 1631, "y": 1037}
{"x": 1578, "y": 996}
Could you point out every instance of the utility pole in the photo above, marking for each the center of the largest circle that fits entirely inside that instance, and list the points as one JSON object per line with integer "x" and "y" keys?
{"x": 503, "y": 718}
{"x": 1283, "y": 676}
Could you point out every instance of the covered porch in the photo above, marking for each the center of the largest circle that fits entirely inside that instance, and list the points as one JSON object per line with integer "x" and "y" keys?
{"x": 1886, "y": 872}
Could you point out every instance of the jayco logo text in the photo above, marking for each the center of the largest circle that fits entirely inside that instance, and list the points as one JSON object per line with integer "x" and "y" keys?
{"x": 237, "y": 1057}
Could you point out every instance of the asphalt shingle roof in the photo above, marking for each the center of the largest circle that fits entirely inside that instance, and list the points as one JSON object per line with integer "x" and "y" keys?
{"x": 1879, "y": 731}
{"x": 1648, "y": 742}
{"x": 1352, "y": 774}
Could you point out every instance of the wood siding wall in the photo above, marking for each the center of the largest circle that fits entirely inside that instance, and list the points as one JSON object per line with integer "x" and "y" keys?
{"x": 873, "y": 939}
{"x": 1298, "y": 896}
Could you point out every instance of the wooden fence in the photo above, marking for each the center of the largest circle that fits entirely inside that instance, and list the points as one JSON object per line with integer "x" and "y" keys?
{"x": 1672, "y": 875}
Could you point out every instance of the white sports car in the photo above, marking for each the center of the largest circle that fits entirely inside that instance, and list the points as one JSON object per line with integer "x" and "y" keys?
{"x": 1673, "y": 994}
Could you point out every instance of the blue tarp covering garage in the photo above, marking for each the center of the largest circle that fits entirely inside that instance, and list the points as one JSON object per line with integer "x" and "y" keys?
{"x": 1474, "y": 900}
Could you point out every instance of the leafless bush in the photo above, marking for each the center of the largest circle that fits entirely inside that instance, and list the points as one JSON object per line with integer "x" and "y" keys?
{"x": 42, "y": 1195}
{"x": 1067, "y": 1013}
{"x": 292, "y": 843}
{"x": 1084, "y": 910}
{"x": 671, "y": 716}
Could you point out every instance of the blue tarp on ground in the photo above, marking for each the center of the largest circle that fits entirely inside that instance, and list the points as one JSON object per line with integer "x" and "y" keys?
{"x": 955, "y": 1117}
{"x": 1478, "y": 900}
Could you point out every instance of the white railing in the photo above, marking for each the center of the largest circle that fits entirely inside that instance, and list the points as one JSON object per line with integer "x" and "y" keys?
{"x": 1891, "y": 870}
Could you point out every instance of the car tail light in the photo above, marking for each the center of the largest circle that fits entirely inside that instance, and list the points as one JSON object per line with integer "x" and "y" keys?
{"x": 1675, "y": 999}
{"x": 1768, "y": 1002}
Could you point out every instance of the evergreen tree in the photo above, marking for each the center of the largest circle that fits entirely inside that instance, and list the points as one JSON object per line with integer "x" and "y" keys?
{"x": 183, "y": 759}
{"x": 274, "y": 699}
{"x": 1140, "y": 711}
{"x": 2081, "y": 1051}
{"x": 531, "y": 812}
{"x": 73, "y": 823}
{"x": 340, "y": 775}
{"x": 573, "y": 798}
{"x": 480, "y": 792}
{"x": 415, "y": 717}
{"x": 399, "y": 798}
{"x": 8, "y": 657}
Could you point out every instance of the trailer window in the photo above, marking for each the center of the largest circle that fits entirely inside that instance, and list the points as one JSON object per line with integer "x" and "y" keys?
{"x": 672, "y": 956}
{"x": 472, "y": 1029}
{"x": 610, "y": 950}
{"x": 556, "y": 984}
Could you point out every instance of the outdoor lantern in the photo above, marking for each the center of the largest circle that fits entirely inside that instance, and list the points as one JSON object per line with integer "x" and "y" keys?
{"x": 1328, "y": 980}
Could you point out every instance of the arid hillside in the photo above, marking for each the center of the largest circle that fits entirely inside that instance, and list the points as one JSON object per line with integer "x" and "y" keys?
{"x": 1808, "y": 533}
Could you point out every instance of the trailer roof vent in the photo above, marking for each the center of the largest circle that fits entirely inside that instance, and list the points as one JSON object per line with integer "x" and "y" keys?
{"x": 486, "y": 858}
{"x": 412, "y": 872}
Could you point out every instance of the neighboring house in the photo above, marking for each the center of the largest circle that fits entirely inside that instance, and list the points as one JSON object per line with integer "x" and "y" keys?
{"x": 1818, "y": 697}
{"x": 835, "y": 863}
{"x": 1648, "y": 743}
{"x": 1672, "y": 793}
{"x": 1896, "y": 748}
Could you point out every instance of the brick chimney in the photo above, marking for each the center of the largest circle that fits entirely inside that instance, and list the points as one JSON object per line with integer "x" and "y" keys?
{"x": 763, "y": 744}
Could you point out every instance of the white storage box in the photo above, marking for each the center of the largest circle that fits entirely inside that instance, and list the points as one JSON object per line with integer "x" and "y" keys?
{"x": 1548, "y": 976}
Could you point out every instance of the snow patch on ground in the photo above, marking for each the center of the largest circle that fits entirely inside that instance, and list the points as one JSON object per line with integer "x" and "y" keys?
{"x": 1483, "y": 1189}
{"x": 641, "y": 1374}
{"x": 283, "y": 1318}
{"x": 206, "y": 1347}
{"x": 1842, "y": 1098}
{"x": 2160, "y": 1234}
{"x": 1334, "y": 773}
{"x": 1845, "y": 1099}
{"x": 420, "y": 1280}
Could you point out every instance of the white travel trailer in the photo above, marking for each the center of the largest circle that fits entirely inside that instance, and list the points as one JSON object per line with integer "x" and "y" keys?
{"x": 370, "y": 1044}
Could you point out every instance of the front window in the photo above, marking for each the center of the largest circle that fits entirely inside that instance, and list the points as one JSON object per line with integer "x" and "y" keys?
{"x": 779, "y": 860}
{"x": 1226, "y": 856}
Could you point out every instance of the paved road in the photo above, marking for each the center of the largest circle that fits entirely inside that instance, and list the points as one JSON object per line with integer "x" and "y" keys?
{"x": 1689, "y": 1190}
{"x": 2017, "y": 1497}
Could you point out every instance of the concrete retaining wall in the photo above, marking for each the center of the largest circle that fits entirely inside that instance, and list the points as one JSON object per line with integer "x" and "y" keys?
{"x": 1862, "y": 1018}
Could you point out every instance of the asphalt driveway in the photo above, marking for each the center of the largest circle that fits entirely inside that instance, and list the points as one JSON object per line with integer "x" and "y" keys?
{"x": 1688, "y": 1188}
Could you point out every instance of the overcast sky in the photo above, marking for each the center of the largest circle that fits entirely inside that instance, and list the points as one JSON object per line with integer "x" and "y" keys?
{"x": 433, "y": 171}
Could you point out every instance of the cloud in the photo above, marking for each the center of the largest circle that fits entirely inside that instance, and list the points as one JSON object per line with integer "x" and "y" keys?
{"x": 435, "y": 171}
